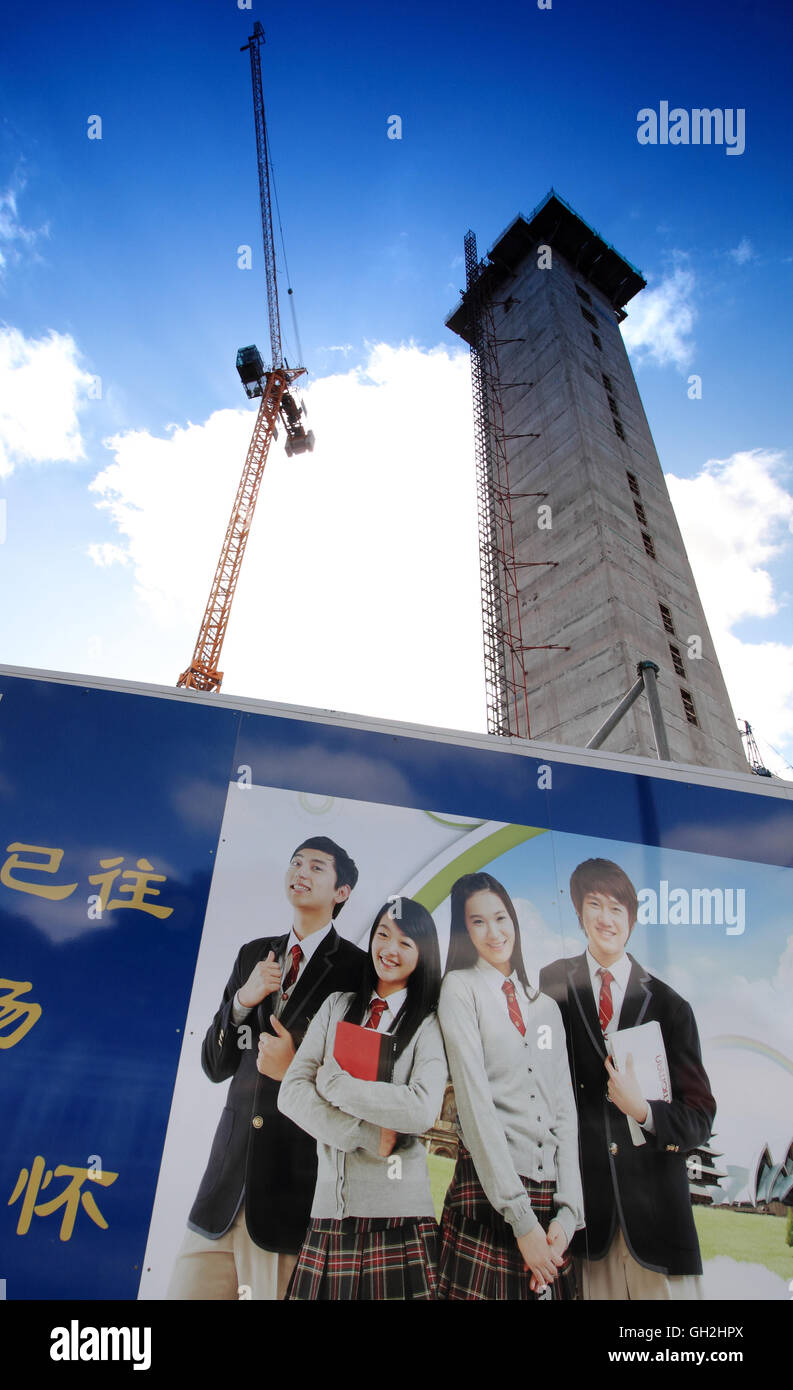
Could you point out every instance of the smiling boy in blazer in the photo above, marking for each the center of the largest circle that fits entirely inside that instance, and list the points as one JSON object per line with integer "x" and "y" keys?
{"x": 252, "y": 1208}
{"x": 640, "y": 1240}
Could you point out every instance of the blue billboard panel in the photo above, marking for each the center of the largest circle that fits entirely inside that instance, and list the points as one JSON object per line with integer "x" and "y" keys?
{"x": 110, "y": 814}
{"x": 146, "y": 853}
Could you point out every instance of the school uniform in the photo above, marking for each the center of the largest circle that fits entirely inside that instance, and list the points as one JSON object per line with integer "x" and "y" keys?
{"x": 518, "y": 1161}
{"x": 373, "y": 1233}
{"x": 640, "y": 1240}
{"x": 252, "y": 1207}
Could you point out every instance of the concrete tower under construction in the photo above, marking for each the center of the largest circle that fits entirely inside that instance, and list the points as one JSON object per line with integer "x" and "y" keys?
{"x": 584, "y": 571}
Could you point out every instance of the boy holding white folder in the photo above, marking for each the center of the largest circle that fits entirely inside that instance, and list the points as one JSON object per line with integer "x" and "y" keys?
{"x": 640, "y": 1240}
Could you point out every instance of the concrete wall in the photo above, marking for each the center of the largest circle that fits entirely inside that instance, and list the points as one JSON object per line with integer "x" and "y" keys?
{"x": 602, "y": 599}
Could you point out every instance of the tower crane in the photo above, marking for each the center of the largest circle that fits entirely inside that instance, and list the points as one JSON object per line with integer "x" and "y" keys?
{"x": 752, "y": 751}
{"x": 274, "y": 385}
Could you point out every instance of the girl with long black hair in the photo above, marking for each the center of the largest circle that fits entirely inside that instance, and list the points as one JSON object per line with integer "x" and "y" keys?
{"x": 373, "y": 1233}
{"x": 515, "y": 1198}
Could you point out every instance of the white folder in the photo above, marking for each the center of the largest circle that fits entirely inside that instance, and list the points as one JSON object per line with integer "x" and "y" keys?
{"x": 646, "y": 1046}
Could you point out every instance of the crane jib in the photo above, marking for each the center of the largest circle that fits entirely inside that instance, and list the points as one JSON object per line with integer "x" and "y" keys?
{"x": 263, "y": 161}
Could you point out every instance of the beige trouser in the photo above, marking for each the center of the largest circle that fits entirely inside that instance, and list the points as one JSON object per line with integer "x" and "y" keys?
{"x": 230, "y": 1267}
{"x": 619, "y": 1276}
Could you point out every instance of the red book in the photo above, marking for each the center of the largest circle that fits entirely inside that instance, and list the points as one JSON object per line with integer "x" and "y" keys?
{"x": 363, "y": 1052}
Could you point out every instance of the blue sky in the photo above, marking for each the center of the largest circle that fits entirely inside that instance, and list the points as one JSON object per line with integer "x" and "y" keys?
{"x": 125, "y": 248}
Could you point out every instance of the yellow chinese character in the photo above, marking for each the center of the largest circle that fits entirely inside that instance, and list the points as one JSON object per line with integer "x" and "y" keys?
{"x": 137, "y": 890}
{"x": 106, "y": 880}
{"x": 11, "y": 1009}
{"x": 41, "y": 890}
{"x": 69, "y": 1198}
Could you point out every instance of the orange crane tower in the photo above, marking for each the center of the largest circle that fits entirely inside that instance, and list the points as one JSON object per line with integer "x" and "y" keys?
{"x": 274, "y": 385}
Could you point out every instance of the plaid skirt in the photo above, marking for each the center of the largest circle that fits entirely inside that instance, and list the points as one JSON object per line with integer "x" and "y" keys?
{"x": 367, "y": 1258}
{"x": 480, "y": 1259}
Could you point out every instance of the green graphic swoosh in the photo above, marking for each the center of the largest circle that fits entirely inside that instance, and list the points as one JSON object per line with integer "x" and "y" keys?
{"x": 472, "y": 860}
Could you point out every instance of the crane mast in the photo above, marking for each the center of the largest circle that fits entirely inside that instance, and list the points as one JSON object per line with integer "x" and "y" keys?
{"x": 273, "y": 384}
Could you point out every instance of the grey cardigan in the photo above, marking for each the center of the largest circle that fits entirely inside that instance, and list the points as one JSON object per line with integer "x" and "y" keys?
{"x": 514, "y": 1098}
{"x": 345, "y": 1116}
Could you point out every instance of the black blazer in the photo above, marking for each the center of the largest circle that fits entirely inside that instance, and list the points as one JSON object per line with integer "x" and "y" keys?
{"x": 643, "y": 1187}
{"x": 255, "y": 1146}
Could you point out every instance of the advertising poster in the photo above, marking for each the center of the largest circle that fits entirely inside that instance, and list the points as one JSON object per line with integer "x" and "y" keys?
{"x": 148, "y": 840}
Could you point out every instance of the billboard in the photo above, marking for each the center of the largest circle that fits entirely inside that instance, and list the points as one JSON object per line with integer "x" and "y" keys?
{"x": 145, "y": 838}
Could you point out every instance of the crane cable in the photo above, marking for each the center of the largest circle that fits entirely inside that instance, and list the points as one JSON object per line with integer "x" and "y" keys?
{"x": 781, "y": 756}
{"x": 289, "y": 289}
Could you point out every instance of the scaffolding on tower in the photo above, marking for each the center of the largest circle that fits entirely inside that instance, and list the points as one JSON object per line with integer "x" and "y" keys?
{"x": 506, "y": 691}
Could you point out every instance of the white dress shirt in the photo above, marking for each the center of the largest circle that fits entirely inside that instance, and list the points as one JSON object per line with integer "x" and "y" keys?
{"x": 308, "y": 946}
{"x": 495, "y": 982}
{"x": 393, "y": 1004}
{"x": 620, "y": 973}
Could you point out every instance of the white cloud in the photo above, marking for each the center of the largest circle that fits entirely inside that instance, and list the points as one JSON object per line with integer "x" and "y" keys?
{"x": 169, "y": 499}
{"x": 359, "y": 589}
{"x": 541, "y": 942}
{"x": 386, "y": 519}
{"x": 759, "y": 676}
{"x": 742, "y": 1022}
{"x": 736, "y": 517}
{"x": 107, "y": 554}
{"x": 42, "y": 388}
{"x": 660, "y": 322}
{"x": 743, "y": 252}
{"x": 13, "y": 233}
{"x": 783, "y": 980}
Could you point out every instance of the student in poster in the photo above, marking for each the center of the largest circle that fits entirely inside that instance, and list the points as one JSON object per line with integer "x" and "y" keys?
{"x": 252, "y": 1207}
{"x": 515, "y": 1197}
{"x": 373, "y": 1233}
{"x": 640, "y": 1240}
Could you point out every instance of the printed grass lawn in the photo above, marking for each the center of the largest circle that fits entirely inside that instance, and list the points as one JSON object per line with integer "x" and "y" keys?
{"x": 756, "y": 1239}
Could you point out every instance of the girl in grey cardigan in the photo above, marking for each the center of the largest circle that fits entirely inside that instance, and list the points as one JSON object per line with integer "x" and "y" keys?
{"x": 373, "y": 1233}
{"x": 515, "y": 1199}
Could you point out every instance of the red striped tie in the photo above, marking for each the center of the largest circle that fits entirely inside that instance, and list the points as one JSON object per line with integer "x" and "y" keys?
{"x": 512, "y": 1005}
{"x": 379, "y": 1007}
{"x": 291, "y": 974}
{"x": 605, "y": 1003}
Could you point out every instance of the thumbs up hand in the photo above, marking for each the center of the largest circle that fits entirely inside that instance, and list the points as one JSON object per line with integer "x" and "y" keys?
{"x": 264, "y": 979}
{"x": 275, "y": 1053}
